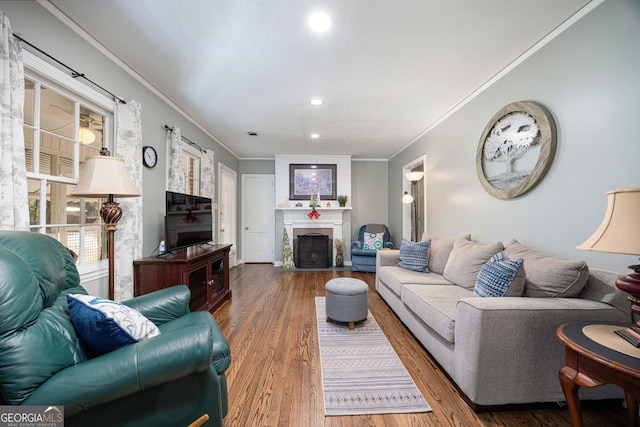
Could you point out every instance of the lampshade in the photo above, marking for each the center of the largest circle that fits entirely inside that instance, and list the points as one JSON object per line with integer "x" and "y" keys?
{"x": 619, "y": 232}
{"x": 414, "y": 176}
{"x": 407, "y": 198}
{"x": 103, "y": 176}
{"x": 86, "y": 135}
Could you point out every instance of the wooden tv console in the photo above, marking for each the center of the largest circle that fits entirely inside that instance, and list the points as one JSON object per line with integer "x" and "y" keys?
{"x": 204, "y": 269}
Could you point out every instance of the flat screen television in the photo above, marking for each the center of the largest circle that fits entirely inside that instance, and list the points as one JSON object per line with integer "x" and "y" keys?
{"x": 188, "y": 220}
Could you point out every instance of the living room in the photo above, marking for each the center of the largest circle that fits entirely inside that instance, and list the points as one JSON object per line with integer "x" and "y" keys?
{"x": 585, "y": 73}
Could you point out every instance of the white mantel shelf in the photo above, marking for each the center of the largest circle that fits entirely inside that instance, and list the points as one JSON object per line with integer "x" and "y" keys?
{"x": 318, "y": 208}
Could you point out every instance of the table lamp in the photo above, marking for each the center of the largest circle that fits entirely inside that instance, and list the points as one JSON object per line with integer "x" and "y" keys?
{"x": 619, "y": 233}
{"x": 106, "y": 177}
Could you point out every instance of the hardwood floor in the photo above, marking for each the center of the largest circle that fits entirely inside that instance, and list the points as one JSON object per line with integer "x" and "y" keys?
{"x": 275, "y": 379}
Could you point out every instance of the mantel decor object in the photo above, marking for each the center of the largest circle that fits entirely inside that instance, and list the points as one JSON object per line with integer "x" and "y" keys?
{"x": 318, "y": 180}
{"x": 516, "y": 149}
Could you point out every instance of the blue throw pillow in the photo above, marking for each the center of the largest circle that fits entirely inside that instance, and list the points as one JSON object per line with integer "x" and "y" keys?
{"x": 106, "y": 325}
{"x": 496, "y": 276}
{"x": 414, "y": 256}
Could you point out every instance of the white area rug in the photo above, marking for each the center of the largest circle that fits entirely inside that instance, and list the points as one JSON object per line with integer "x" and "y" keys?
{"x": 361, "y": 372}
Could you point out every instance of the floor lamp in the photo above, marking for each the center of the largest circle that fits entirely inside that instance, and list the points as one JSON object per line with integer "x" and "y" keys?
{"x": 413, "y": 177}
{"x": 619, "y": 233}
{"x": 106, "y": 177}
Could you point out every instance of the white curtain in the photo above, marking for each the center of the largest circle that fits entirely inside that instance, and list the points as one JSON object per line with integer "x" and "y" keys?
{"x": 128, "y": 236}
{"x": 14, "y": 197}
{"x": 208, "y": 182}
{"x": 175, "y": 177}
{"x": 228, "y": 208}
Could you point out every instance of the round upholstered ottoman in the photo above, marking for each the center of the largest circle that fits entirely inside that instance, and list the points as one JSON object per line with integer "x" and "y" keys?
{"x": 346, "y": 300}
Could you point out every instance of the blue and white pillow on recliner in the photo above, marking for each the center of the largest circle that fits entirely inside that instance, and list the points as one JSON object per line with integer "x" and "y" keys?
{"x": 106, "y": 325}
{"x": 373, "y": 241}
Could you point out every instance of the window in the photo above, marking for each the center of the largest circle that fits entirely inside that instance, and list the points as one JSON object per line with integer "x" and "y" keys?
{"x": 62, "y": 129}
{"x": 191, "y": 162}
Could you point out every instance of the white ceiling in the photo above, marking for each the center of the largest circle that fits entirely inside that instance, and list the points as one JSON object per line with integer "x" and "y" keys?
{"x": 386, "y": 69}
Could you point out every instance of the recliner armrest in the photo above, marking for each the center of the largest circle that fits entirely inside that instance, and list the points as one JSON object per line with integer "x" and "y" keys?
{"x": 356, "y": 245}
{"x": 162, "y": 306}
{"x": 125, "y": 371}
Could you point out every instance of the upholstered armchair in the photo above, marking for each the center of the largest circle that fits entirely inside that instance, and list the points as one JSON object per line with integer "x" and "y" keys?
{"x": 170, "y": 379}
{"x": 371, "y": 238}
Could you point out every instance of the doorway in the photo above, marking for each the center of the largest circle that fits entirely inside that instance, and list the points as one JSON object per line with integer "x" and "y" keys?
{"x": 258, "y": 218}
{"x": 414, "y": 211}
{"x": 227, "y": 210}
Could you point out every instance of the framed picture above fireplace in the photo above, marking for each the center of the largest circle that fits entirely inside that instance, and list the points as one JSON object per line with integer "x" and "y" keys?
{"x": 312, "y": 180}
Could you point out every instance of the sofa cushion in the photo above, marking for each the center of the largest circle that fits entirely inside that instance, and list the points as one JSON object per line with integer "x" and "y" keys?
{"x": 413, "y": 256}
{"x": 466, "y": 260}
{"x": 496, "y": 278}
{"x": 395, "y": 278}
{"x": 107, "y": 325}
{"x": 439, "y": 251}
{"x": 548, "y": 276}
{"x": 436, "y": 305}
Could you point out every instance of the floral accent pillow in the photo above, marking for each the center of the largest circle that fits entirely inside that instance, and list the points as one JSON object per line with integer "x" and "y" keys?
{"x": 373, "y": 241}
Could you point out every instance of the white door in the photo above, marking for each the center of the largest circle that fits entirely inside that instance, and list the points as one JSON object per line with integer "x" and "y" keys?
{"x": 227, "y": 210}
{"x": 258, "y": 232}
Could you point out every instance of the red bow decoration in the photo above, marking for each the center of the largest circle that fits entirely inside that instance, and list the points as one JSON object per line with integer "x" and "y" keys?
{"x": 313, "y": 214}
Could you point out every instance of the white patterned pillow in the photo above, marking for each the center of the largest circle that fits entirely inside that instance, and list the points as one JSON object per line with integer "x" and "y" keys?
{"x": 106, "y": 325}
{"x": 373, "y": 241}
{"x": 496, "y": 276}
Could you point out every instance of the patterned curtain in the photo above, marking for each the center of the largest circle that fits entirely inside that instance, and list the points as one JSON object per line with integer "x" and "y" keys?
{"x": 128, "y": 237}
{"x": 175, "y": 177}
{"x": 208, "y": 182}
{"x": 14, "y": 197}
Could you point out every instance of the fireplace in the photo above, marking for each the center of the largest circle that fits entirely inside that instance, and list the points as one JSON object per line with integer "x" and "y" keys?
{"x": 312, "y": 250}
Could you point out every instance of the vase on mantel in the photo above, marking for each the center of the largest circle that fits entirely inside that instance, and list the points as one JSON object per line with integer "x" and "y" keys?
{"x": 339, "y": 260}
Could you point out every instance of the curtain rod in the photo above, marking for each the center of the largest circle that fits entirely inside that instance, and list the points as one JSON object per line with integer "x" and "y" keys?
{"x": 74, "y": 73}
{"x": 170, "y": 129}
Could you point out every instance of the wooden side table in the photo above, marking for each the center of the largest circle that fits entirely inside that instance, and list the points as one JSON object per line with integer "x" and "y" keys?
{"x": 597, "y": 356}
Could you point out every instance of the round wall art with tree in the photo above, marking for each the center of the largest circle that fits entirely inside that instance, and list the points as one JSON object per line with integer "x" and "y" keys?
{"x": 516, "y": 149}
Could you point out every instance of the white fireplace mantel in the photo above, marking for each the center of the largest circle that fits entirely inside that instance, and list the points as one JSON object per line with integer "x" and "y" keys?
{"x": 296, "y": 217}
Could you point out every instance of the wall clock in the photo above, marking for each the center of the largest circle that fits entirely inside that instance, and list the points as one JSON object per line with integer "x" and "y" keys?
{"x": 149, "y": 156}
{"x": 516, "y": 149}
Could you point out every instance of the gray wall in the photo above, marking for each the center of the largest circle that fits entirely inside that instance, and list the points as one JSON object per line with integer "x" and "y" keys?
{"x": 589, "y": 78}
{"x": 36, "y": 25}
{"x": 369, "y": 194}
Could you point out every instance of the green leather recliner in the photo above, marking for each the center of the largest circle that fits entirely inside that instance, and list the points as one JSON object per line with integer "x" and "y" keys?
{"x": 168, "y": 380}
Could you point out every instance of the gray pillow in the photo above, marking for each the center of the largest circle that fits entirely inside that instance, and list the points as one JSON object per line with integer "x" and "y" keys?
{"x": 548, "y": 276}
{"x": 439, "y": 251}
{"x": 466, "y": 261}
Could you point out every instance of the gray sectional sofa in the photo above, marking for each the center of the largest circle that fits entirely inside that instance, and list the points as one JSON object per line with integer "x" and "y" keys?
{"x": 499, "y": 350}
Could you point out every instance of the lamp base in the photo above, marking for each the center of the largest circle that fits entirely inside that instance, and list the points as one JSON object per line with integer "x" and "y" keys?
{"x": 631, "y": 285}
{"x": 111, "y": 214}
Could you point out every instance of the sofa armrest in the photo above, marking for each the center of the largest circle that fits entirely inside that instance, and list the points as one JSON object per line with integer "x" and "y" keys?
{"x": 356, "y": 245}
{"x": 162, "y": 306}
{"x": 390, "y": 257}
{"x": 125, "y": 371}
{"x": 506, "y": 349}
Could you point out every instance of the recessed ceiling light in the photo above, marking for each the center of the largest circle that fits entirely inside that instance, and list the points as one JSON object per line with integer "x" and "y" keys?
{"x": 315, "y": 135}
{"x": 316, "y": 101}
{"x": 319, "y": 22}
